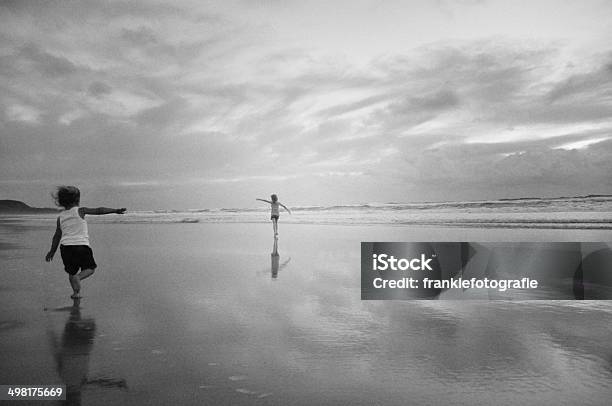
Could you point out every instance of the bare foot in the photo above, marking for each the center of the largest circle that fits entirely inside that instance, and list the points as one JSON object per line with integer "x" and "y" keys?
{"x": 76, "y": 295}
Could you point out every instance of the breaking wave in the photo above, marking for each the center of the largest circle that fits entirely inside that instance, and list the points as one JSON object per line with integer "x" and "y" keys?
{"x": 580, "y": 212}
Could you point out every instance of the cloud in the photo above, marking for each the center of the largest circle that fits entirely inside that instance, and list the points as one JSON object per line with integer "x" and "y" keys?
{"x": 532, "y": 171}
{"x": 162, "y": 94}
{"x": 583, "y": 143}
{"x": 98, "y": 89}
{"x": 46, "y": 63}
{"x": 19, "y": 112}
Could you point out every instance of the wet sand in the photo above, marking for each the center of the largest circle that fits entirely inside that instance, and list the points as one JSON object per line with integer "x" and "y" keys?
{"x": 203, "y": 313}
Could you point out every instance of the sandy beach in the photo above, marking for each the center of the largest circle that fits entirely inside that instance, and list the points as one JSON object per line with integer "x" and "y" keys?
{"x": 439, "y": 170}
{"x": 202, "y": 313}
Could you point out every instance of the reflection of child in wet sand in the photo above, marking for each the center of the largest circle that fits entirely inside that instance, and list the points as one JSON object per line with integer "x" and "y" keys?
{"x": 275, "y": 264}
{"x": 274, "y": 211}
{"x": 72, "y": 237}
{"x": 72, "y": 354}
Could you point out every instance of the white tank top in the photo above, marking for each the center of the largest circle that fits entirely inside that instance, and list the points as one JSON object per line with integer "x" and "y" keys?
{"x": 74, "y": 228}
{"x": 274, "y": 208}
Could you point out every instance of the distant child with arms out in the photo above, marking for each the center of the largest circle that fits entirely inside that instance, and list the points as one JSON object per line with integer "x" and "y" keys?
{"x": 274, "y": 211}
{"x": 72, "y": 237}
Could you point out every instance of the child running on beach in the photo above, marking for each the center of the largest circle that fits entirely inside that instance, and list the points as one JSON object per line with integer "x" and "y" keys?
{"x": 72, "y": 237}
{"x": 274, "y": 211}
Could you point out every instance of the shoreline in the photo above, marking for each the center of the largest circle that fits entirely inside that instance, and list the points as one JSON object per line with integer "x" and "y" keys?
{"x": 360, "y": 232}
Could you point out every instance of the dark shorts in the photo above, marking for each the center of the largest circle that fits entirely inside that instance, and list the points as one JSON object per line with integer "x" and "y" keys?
{"x": 77, "y": 257}
{"x": 274, "y": 216}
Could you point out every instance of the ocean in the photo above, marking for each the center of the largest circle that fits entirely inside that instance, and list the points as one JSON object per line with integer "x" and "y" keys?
{"x": 582, "y": 212}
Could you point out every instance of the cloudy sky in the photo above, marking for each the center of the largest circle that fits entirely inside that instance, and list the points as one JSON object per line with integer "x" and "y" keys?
{"x": 192, "y": 104}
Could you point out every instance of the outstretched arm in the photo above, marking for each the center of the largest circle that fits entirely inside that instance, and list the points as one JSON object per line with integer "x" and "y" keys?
{"x": 264, "y": 200}
{"x": 285, "y": 207}
{"x": 99, "y": 211}
{"x": 55, "y": 242}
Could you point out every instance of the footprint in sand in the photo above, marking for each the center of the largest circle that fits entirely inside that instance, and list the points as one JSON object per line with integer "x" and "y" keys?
{"x": 157, "y": 352}
{"x": 206, "y": 386}
{"x": 10, "y": 324}
{"x": 213, "y": 364}
{"x": 237, "y": 378}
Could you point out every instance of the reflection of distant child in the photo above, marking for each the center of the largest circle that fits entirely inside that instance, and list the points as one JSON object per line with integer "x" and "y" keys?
{"x": 274, "y": 211}
{"x": 275, "y": 264}
{"x": 73, "y": 238}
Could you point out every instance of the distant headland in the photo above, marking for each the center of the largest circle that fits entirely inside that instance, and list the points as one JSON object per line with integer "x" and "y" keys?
{"x": 17, "y": 207}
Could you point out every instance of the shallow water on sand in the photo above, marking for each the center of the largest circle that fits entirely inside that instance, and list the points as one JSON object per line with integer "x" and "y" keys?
{"x": 203, "y": 313}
